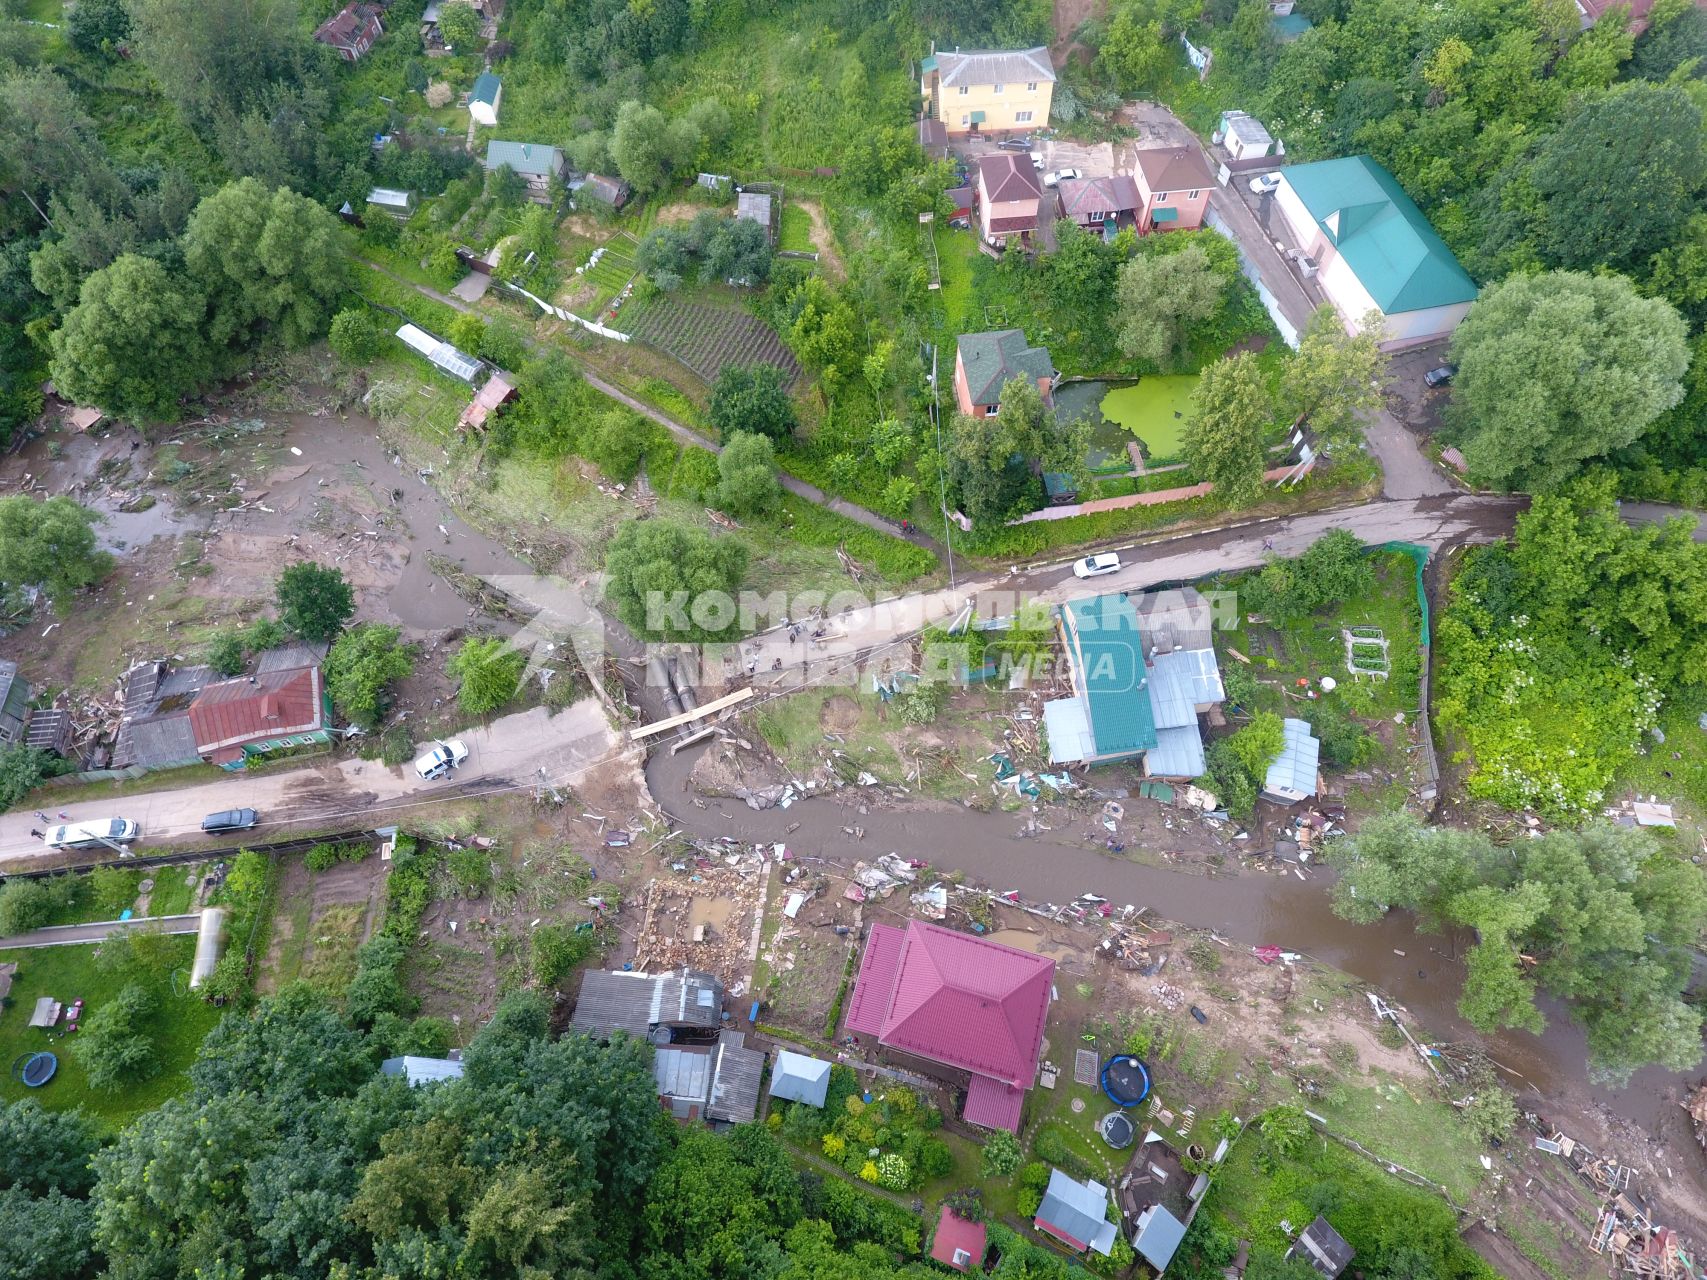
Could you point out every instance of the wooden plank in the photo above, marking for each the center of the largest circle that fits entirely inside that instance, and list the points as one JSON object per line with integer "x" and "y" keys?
{"x": 688, "y": 717}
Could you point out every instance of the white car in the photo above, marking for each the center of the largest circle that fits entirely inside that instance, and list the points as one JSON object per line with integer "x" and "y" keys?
{"x": 444, "y": 757}
{"x": 1097, "y": 565}
{"x": 1037, "y": 160}
{"x": 1055, "y": 179}
{"x": 1265, "y": 184}
{"x": 92, "y": 833}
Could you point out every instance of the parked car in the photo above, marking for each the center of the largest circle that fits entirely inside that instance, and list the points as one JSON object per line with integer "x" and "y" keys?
{"x": 1037, "y": 160}
{"x": 230, "y": 820}
{"x": 1265, "y": 184}
{"x": 1097, "y": 565}
{"x": 960, "y": 224}
{"x": 1015, "y": 144}
{"x": 444, "y": 757}
{"x": 1060, "y": 175}
{"x": 92, "y": 834}
{"x": 1440, "y": 375}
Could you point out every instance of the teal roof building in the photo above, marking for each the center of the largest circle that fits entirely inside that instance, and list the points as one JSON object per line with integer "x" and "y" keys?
{"x": 1374, "y": 250}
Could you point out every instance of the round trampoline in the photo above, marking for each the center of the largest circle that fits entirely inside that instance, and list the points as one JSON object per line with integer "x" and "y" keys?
{"x": 33, "y": 1070}
{"x": 1125, "y": 1080}
{"x": 1117, "y": 1130}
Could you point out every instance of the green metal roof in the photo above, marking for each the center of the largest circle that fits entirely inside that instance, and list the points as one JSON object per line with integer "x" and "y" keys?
{"x": 993, "y": 359}
{"x": 485, "y": 88}
{"x": 524, "y": 157}
{"x": 1382, "y": 235}
{"x": 1289, "y": 27}
{"x": 1111, "y": 674}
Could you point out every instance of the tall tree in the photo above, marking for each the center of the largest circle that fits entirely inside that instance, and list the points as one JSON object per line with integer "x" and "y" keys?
{"x": 133, "y": 343}
{"x": 746, "y": 469}
{"x": 220, "y": 59}
{"x": 1559, "y": 368}
{"x": 751, "y": 398}
{"x": 1161, "y": 296}
{"x": 992, "y": 460}
{"x": 642, "y": 146}
{"x": 315, "y": 601}
{"x": 50, "y": 543}
{"x": 673, "y": 582}
{"x": 362, "y": 665}
{"x": 268, "y": 261}
{"x": 1335, "y": 378}
{"x": 1224, "y": 440}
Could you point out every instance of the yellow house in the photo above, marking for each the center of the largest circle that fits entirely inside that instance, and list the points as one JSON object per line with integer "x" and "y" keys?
{"x": 984, "y": 91}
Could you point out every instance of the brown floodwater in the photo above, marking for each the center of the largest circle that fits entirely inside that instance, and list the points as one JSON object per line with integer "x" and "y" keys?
{"x": 1423, "y": 972}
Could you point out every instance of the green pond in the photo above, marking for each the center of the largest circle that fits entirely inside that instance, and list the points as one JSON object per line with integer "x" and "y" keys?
{"x": 1153, "y": 409}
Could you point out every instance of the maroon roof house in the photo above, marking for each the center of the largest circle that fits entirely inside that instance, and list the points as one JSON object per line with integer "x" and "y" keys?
{"x": 961, "y": 1001}
{"x": 1009, "y": 197}
{"x": 958, "y": 1243}
{"x": 352, "y": 30}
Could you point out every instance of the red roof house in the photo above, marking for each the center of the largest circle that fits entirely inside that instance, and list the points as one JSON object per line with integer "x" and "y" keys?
{"x": 254, "y": 715}
{"x": 961, "y": 1001}
{"x": 958, "y": 1243}
{"x": 1009, "y": 197}
{"x": 352, "y": 30}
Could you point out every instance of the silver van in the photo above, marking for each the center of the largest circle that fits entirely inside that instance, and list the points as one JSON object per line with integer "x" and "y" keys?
{"x": 89, "y": 835}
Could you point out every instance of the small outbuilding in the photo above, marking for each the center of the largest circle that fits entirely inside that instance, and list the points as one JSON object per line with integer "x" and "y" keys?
{"x": 1292, "y": 776}
{"x": 1076, "y": 1214}
{"x": 483, "y": 99}
{"x": 1244, "y": 136}
{"x": 958, "y": 1243}
{"x": 440, "y": 354}
{"x": 497, "y": 391}
{"x": 755, "y": 206}
{"x": 419, "y": 1071}
{"x": 390, "y": 201}
{"x": 1323, "y": 1248}
{"x": 796, "y": 1077}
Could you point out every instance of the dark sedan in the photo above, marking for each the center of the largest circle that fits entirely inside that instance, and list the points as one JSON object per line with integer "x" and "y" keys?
{"x": 230, "y": 820}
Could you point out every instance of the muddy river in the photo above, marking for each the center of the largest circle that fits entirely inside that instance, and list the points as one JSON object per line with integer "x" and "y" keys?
{"x": 1421, "y": 971}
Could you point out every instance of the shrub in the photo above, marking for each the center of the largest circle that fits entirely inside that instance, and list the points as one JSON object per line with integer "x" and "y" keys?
{"x": 557, "y": 949}
{"x": 893, "y": 1172}
{"x": 834, "y": 1146}
{"x": 935, "y": 1160}
{"x": 868, "y": 1171}
{"x": 1002, "y": 1155}
{"x": 377, "y": 989}
{"x": 30, "y": 904}
{"x": 489, "y": 675}
{"x": 115, "y": 1044}
{"x": 114, "y": 889}
{"x": 355, "y": 335}
{"x": 472, "y": 870}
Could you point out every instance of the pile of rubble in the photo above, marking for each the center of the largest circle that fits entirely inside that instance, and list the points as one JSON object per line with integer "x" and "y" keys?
{"x": 703, "y": 913}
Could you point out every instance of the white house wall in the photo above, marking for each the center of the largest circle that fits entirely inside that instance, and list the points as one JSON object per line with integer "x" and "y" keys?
{"x": 1412, "y": 328}
{"x": 1304, "y": 229}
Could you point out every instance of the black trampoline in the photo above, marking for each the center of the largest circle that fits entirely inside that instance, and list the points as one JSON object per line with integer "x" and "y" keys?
{"x": 1118, "y": 1130}
{"x": 1125, "y": 1080}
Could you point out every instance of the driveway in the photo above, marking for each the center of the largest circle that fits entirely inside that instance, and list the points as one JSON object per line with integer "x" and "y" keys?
{"x": 508, "y": 754}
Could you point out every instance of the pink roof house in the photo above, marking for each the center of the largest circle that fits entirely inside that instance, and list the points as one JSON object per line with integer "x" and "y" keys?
{"x": 1173, "y": 183}
{"x": 961, "y": 1001}
{"x": 958, "y": 1243}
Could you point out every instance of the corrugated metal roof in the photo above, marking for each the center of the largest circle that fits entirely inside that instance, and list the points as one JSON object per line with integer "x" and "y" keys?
{"x": 486, "y": 87}
{"x": 527, "y": 158}
{"x": 1159, "y": 1236}
{"x": 958, "y": 1243}
{"x": 735, "y": 1080}
{"x": 1384, "y": 238}
{"x": 290, "y": 657}
{"x": 1067, "y": 723}
{"x": 1178, "y": 753}
{"x": 683, "y": 1074}
{"x": 1075, "y": 1212}
{"x": 995, "y": 66}
{"x": 637, "y": 1002}
{"x": 869, "y": 1004}
{"x": 800, "y": 1078}
{"x": 991, "y": 1104}
{"x": 1108, "y": 670}
{"x": 257, "y": 708}
{"x": 1293, "y": 772}
{"x": 1180, "y": 682}
{"x": 1247, "y": 129}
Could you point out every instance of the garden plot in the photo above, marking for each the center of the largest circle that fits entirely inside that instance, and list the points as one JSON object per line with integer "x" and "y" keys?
{"x": 1366, "y": 652}
{"x": 599, "y": 282}
{"x": 708, "y": 338}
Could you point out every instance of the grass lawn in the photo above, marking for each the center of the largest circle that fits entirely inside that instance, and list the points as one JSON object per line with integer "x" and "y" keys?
{"x": 1154, "y": 409}
{"x": 1405, "y": 1123}
{"x": 173, "y": 891}
{"x": 69, "y": 973}
{"x": 796, "y": 233}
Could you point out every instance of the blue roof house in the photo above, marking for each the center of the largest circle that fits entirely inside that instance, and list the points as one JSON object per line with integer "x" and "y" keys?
{"x": 1137, "y": 692}
{"x": 1375, "y": 253}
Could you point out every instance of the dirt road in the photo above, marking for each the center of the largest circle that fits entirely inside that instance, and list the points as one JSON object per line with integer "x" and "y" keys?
{"x": 515, "y": 751}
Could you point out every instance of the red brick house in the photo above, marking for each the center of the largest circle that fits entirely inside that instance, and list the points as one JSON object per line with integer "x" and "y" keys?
{"x": 984, "y": 363}
{"x": 961, "y": 1002}
{"x": 1174, "y": 183}
{"x": 352, "y": 30}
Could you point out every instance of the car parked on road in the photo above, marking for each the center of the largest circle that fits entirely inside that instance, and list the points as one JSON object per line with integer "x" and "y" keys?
{"x": 1037, "y": 161}
{"x": 444, "y": 757}
{"x": 1097, "y": 565}
{"x": 230, "y": 820}
{"x": 1265, "y": 184}
{"x": 1440, "y": 375}
{"x": 92, "y": 833}
{"x": 1056, "y": 178}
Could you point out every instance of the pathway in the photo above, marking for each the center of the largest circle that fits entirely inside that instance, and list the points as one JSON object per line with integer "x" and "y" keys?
{"x": 684, "y": 433}
{"x": 66, "y": 935}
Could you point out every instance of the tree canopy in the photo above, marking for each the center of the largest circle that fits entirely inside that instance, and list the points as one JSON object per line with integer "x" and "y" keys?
{"x": 315, "y": 601}
{"x": 1225, "y": 439}
{"x": 993, "y": 461}
{"x": 746, "y": 468}
{"x": 751, "y": 397}
{"x": 488, "y": 673}
{"x": 361, "y": 666}
{"x": 49, "y": 543}
{"x": 1161, "y": 297}
{"x": 1607, "y": 918}
{"x": 1559, "y": 368}
{"x": 671, "y": 581}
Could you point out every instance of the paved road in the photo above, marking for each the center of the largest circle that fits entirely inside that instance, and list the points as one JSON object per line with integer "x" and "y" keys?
{"x": 1432, "y": 522}
{"x": 682, "y": 432}
{"x": 510, "y": 752}
{"x": 66, "y": 935}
